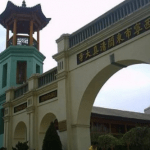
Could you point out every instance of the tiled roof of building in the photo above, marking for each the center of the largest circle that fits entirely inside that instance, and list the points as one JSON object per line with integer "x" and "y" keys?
{"x": 11, "y": 8}
{"x": 116, "y": 14}
{"x": 120, "y": 113}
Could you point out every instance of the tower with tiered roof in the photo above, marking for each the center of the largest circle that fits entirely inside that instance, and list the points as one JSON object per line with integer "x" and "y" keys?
{"x": 21, "y": 58}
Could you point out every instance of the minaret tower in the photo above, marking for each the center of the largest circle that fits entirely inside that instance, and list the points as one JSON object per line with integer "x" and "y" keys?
{"x": 21, "y": 58}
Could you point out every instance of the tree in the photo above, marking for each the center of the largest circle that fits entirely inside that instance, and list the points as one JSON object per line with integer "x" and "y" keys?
{"x": 139, "y": 137}
{"x": 2, "y": 148}
{"x": 51, "y": 140}
{"x": 107, "y": 141}
{"x": 21, "y": 146}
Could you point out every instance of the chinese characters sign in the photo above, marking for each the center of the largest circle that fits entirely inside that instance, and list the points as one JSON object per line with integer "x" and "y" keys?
{"x": 48, "y": 96}
{"x": 119, "y": 38}
{"x": 20, "y": 107}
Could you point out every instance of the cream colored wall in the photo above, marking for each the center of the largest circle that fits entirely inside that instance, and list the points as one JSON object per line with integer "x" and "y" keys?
{"x": 85, "y": 80}
{"x": 77, "y": 87}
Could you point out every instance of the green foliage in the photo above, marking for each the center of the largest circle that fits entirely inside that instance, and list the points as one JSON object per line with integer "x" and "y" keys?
{"x": 139, "y": 137}
{"x": 51, "y": 140}
{"x": 21, "y": 146}
{"x": 94, "y": 137}
{"x": 107, "y": 141}
{"x": 2, "y": 148}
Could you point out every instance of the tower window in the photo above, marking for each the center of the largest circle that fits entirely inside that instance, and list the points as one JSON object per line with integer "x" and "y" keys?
{"x": 4, "y": 81}
{"x": 21, "y": 72}
{"x": 37, "y": 68}
{"x": 1, "y": 121}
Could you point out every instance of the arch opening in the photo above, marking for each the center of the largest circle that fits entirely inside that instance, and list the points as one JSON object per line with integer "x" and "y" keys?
{"x": 93, "y": 88}
{"x": 45, "y": 123}
{"x": 20, "y": 134}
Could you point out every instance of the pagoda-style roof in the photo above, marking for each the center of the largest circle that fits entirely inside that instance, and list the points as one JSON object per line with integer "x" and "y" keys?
{"x": 23, "y": 16}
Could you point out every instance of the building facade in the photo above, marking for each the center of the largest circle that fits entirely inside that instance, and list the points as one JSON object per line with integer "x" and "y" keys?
{"x": 115, "y": 122}
{"x": 21, "y": 58}
{"x": 86, "y": 59}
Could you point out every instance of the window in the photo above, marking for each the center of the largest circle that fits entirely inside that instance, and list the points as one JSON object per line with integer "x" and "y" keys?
{"x": 1, "y": 121}
{"x": 37, "y": 68}
{"x": 4, "y": 78}
{"x": 21, "y": 72}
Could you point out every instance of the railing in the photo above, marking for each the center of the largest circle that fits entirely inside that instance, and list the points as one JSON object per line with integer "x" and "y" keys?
{"x": 20, "y": 90}
{"x": 22, "y": 40}
{"x": 2, "y": 97}
{"x": 118, "y": 13}
{"x": 47, "y": 77}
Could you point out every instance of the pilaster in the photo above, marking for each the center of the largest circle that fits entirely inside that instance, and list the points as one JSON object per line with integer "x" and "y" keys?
{"x": 33, "y": 82}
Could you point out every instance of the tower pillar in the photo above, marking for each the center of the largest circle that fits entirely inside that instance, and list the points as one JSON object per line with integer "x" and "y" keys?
{"x": 31, "y": 32}
{"x": 7, "y": 36}
{"x": 38, "y": 39}
{"x": 15, "y": 31}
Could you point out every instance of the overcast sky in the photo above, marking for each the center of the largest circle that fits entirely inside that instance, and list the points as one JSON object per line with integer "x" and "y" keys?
{"x": 128, "y": 89}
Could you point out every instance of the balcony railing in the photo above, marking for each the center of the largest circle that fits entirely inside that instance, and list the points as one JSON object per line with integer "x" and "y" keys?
{"x": 20, "y": 90}
{"x": 22, "y": 40}
{"x": 47, "y": 77}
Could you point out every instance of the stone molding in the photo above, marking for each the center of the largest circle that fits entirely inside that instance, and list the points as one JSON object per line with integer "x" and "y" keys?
{"x": 62, "y": 75}
{"x": 30, "y": 109}
{"x": 60, "y": 55}
{"x": 63, "y": 36}
{"x": 6, "y": 119}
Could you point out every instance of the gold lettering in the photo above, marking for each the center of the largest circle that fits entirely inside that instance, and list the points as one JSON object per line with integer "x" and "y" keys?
{"x": 147, "y": 23}
{"x": 111, "y": 42}
{"x": 95, "y": 50}
{"x": 103, "y": 46}
{"x": 119, "y": 38}
{"x": 128, "y": 32}
{"x": 137, "y": 28}
{"x": 88, "y": 54}
{"x": 81, "y": 57}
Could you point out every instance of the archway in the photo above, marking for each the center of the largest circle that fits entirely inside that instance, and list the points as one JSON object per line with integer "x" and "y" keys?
{"x": 125, "y": 89}
{"x": 90, "y": 93}
{"x": 20, "y": 133}
{"x": 45, "y": 123}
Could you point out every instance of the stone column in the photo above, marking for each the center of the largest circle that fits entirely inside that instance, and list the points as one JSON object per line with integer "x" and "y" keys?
{"x": 30, "y": 112}
{"x": 7, "y": 135}
{"x": 8, "y": 119}
{"x": 80, "y": 137}
{"x": 33, "y": 82}
{"x": 63, "y": 89}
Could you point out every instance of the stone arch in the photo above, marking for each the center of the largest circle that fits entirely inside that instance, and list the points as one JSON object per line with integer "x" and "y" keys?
{"x": 45, "y": 122}
{"x": 89, "y": 95}
{"x": 20, "y": 133}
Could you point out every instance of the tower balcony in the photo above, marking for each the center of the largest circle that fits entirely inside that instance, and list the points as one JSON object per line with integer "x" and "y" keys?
{"x": 22, "y": 40}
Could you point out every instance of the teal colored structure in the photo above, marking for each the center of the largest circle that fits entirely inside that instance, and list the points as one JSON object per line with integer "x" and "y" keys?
{"x": 8, "y": 71}
{"x": 21, "y": 58}
{"x": 14, "y": 54}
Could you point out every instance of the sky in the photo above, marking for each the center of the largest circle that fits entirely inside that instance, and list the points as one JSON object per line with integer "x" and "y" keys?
{"x": 128, "y": 89}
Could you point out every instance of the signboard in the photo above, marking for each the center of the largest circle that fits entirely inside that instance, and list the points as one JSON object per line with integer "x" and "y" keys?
{"x": 20, "y": 107}
{"x": 119, "y": 38}
{"x": 62, "y": 126}
{"x": 48, "y": 96}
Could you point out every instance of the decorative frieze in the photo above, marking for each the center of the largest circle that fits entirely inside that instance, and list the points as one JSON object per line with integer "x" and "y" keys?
{"x": 116, "y": 39}
{"x": 48, "y": 96}
{"x": 20, "y": 107}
